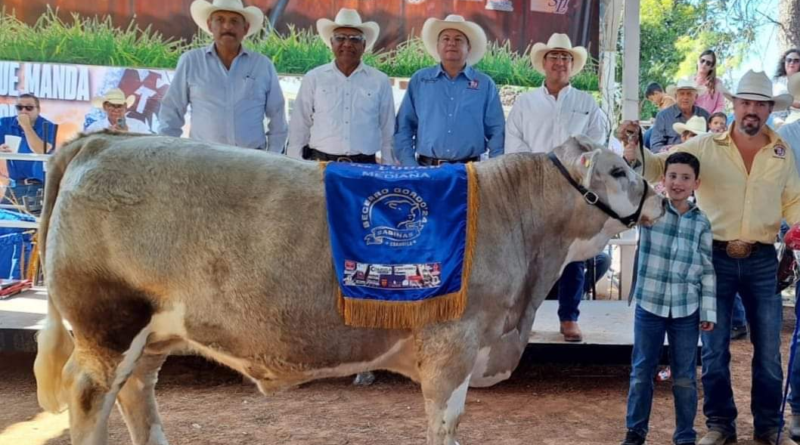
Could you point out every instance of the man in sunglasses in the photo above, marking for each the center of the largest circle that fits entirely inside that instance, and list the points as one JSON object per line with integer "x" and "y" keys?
{"x": 545, "y": 118}
{"x": 344, "y": 110}
{"x": 231, "y": 89}
{"x": 26, "y": 133}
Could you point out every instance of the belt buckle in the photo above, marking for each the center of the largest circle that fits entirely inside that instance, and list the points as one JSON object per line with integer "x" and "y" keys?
{"x": 344, "y": 159}
{"x": 738, "y": 249}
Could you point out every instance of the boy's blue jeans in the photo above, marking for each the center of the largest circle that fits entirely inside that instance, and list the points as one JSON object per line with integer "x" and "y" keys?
{"x": 648, "y": 339}
{"x": 755, "y": 279}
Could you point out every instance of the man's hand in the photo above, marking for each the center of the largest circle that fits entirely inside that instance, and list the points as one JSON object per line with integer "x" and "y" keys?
{"x": 24, "y": 122}
{"x": 706, "y": 326}
{"x": 628, "y": 135}
{"x": 5, "y": 148}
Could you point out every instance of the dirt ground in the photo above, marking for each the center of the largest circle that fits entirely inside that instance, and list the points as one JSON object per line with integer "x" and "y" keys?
{"x": 541, "y": 404}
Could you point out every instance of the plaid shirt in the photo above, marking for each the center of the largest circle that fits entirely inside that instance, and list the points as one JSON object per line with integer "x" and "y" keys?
{"x": 675, "y": 275}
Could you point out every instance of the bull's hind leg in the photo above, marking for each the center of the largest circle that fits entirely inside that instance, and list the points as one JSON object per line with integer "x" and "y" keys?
{"x": 137, "y": 402}
{"x": 444, "y": 370}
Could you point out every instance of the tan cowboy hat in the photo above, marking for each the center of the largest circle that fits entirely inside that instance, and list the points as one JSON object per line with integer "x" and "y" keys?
{"x": 202, "y": 10}
{"x": 793, "y": 84}
{"x": 348, "y": 18}
{"x": 477, "y": 38}
{"x": 755, "y": 85}
{"x": 560, "y": 42}
{"x": 114, "y": 96}
{"x": 695, "y": 124}
{"x": 685, "y": 84}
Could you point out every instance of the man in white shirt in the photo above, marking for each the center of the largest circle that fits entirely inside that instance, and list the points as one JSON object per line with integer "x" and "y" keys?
{"x": 344, "y": 110}
{"x": 545, "y": 118}
{"x": 115, "y": 105}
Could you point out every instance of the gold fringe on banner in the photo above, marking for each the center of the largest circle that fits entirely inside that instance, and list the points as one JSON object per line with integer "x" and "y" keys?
{"x": 415, "y": 314}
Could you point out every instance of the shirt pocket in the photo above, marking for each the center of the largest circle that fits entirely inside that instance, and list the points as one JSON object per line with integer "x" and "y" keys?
{"x": 366, "y": 101}
{"x": 578, "y": 122}
{"x": 252, "y": 90}
{"x": 326, "y": 100}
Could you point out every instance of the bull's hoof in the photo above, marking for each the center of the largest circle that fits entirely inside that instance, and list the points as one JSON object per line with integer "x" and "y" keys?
{"x": 364, "y": 379}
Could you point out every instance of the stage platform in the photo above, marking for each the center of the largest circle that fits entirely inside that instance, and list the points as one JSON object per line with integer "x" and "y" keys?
{"x": 607, "y": 330}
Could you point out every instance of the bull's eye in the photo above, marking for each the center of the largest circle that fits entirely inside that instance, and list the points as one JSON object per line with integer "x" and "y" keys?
{"x": 618, "y": 173}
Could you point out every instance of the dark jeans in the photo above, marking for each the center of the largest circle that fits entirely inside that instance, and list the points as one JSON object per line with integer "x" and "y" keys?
{"x": 596, "y": 269}
{"x": 739, "y": 320}
{"x": 648, "y": 339}
{"x": 754, "y": 278}
{"x": 570, "y": 291}
{"x": 794, "y": 373}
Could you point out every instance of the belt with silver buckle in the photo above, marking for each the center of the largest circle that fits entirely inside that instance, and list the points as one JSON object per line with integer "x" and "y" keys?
{"x": 737, "y": 249}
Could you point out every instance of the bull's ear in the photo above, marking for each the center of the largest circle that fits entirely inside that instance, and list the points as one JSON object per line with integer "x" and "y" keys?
{"x": 584, "y": 143}
{"x": 585, "y": 164}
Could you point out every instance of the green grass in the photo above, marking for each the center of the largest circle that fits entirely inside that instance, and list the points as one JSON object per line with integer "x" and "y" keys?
{"x": 96, "y": 41}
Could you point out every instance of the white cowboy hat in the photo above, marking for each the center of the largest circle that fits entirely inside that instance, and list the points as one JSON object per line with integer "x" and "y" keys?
{"x": 685, "y": 84}
{"x": 695, "y": 124}
{"x": 348, "y": 18}
{"x": 477, "y": 38}
{"x": 114, "y": 96}
{"x": 755, "y": 85}
{"x": 202, "y": 10}
{"x": 558, "y": 42}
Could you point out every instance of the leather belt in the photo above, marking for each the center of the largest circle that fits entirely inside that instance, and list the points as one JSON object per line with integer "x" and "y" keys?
{"x": 426, "y": 161}
{"x": 738, "y": 249}
{"x": 316, "y": 155}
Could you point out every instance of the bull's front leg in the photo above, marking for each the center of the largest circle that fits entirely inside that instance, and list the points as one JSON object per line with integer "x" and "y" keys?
{"x": 444, "y": 364}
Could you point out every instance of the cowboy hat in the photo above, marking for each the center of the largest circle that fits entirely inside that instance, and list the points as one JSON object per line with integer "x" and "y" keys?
{"x": 348, "y": 18}
{"x": 793, "y": 85}
{"x": 202, "y": 10}
{"x": 685, "y": 84}
{"x": 696, "y": 125}
{"x": 114, "y": 96}
{"x": 475, "y": 35}
{"x": 558, "y": 42}
{"x": 755, "y": 85}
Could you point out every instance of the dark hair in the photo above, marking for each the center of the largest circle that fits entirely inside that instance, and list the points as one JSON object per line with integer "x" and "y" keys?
{"x": 684, "y": 158}
{"x": 653, "y": 88}
{"x": 711, "y": 78}
{"x": 781, "y": 71}
{"x": 718, "y": 114}
{"x": 30, "y": 96}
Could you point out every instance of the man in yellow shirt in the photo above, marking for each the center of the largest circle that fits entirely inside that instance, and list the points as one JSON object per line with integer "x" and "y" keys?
{"x": 749, "y": 184}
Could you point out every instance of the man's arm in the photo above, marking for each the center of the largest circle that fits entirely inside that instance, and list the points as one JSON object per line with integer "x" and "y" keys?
{"x": 171, "y": 117}
{"x": 515, "y": 138}
{"x": 35, "y": 142}
{"x": 790, "y": 198}
{"x": 708, "y": 297}
{"x": 494, "y": 123}
{"x": 275, "y": 110}
{"x": 598, "y": 126}
{"x": 387, "y": 123}
{"x": 300, "y": 123}
{"x": 653, "y": 163}
{"x": 406, "y": 128}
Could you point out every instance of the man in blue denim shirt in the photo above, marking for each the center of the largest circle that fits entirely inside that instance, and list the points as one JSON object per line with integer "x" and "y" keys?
{"x": 451, "y": 111}
{"x": 32, "y": 130}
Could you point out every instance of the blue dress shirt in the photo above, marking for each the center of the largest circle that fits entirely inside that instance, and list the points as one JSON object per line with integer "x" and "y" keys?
{"x": 448, "y": 118}
{"x": 228, "y": 105}
{"x": 19, "y": 170}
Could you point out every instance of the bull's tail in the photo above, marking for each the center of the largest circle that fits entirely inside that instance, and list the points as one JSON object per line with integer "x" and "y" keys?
{"x": 54, "y": 341}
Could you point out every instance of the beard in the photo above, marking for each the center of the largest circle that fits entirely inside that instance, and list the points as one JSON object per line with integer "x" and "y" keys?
{"x": 751, "y": 125}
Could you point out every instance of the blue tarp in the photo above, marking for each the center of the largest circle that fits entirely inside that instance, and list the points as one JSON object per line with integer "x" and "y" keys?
{"x": 15, "y": 245}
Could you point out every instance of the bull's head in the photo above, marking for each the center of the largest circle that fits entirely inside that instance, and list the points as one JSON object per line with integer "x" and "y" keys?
{"x": 612, "y": 185}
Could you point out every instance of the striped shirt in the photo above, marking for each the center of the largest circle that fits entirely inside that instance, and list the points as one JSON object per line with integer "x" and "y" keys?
{"x": 675, "y": 276}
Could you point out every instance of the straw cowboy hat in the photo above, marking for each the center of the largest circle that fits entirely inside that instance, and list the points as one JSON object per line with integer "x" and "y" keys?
{"x": 755, "y": 85}
{"x": 348, "y": 18}
{"x": 477, "y": 38}
{"x": 558, "y": 42}
{"x": 695, "y": 124}
{"x": 202, "y": 10}
{"x": 685, "y": 84}
{"x": 115, "y": 97}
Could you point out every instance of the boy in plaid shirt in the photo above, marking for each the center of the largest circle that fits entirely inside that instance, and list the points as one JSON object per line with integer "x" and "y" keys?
{"x": 675, "y": 294}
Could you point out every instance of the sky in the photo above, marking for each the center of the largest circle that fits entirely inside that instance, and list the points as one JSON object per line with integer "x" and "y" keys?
{"x": 766, "y": 51}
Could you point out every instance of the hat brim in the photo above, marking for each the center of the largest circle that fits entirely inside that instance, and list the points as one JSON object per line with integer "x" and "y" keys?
{"x": 475, "y": 34}
{"x": 680, "y": 127}
{"x": 201, "y": 10}
{"x": 371, "y": 30}
{"x": 782, "y": 101}
{"x": 672, "y": 90}
{"x": 98, "y": 102}
{"x": 539, "y": 50}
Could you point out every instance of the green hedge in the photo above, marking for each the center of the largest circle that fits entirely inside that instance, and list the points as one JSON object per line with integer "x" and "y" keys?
{"x": 96, "y": 41}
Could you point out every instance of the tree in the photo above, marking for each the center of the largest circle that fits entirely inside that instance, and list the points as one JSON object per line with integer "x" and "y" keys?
{"x": 789, "y": 24}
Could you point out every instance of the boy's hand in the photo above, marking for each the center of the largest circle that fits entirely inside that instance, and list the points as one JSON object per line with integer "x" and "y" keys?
{"x": 706, "y": 326}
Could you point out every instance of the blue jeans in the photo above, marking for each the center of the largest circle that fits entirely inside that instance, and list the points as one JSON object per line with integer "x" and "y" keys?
{"x": 755, "y": 279}
{"x": 570, "y": 291}
{"x": 648, "y": 338}
{"x": 794, "y": 373}
{"x": 602, "y": 263}
{"x": 739, "y": 318}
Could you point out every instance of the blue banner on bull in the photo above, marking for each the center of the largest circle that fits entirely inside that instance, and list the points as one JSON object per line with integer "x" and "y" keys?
{"x": 402, "y": 241}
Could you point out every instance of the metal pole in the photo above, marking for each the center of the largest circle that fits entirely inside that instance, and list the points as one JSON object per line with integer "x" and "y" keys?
{"x": 630, "y": 61}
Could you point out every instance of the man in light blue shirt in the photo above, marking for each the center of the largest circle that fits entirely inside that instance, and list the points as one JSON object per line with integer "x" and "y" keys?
{"x": 230, "y": 88}
{"x": 451, "y": 111}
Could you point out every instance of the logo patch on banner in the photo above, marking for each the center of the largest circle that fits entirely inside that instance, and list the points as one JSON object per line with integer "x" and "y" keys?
{"x": 401, "y": 247}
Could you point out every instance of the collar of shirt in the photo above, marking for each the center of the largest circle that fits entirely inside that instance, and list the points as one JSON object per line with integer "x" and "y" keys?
{"x": 331, "y": 67}
{"x": 212, "y": 50}
{"x": 467, "y": 72}
{"x": 562, "y": 95}
{"x": 692, "y": 208}
{"x": 725, "y": 139}
{"x": 679, "y": 113}
{"x": 37, "y": 125}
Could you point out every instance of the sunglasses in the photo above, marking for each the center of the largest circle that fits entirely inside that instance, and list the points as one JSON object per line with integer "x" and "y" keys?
{"x": 707, "y": 62}
{"x": 26, "y": 107}
{"x": 792, "y": 60}
{"x": 558, "y": 57}
{"x": 354, "y": 39}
